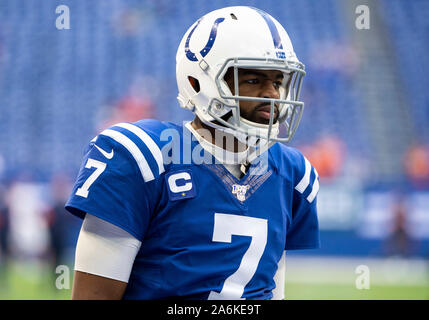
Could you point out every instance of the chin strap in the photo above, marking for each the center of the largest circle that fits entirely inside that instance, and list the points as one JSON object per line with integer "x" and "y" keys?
{"x": 256, "y": 145}
{"x": 243, "y": 168}
{"x": 255, "y": 153}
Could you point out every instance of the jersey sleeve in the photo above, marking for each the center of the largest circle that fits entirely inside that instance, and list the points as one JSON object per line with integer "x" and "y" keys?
{"x": 303, "y": 231}
{"x": 117, "y": 179}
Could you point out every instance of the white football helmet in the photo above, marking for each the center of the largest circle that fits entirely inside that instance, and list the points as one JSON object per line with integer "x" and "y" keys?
{"x": 238, "y": 37}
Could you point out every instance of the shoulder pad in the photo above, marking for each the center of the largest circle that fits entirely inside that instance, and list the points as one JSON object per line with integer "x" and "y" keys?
{"x": 141, "y": 144}
{"x": 304, "y": 176}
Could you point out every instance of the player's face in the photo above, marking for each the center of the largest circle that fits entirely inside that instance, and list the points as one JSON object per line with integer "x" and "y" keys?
{"x": 261, "y": 84}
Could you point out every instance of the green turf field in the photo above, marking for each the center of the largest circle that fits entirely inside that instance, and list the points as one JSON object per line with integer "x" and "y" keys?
{"x": 306, "y": 278}
{"x": 334, "y": 278}
{"x": 19, "y": 282}
{"x": 305, "y": 291}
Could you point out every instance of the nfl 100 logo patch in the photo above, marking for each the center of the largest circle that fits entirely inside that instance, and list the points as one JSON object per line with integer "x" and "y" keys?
{"x": 240, "y": 191}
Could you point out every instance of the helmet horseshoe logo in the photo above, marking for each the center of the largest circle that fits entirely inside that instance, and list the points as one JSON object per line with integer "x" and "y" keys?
{"x": 212, "y": 37}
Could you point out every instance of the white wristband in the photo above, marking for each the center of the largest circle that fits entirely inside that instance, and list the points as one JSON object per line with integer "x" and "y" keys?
{"x": 105, "y": 250}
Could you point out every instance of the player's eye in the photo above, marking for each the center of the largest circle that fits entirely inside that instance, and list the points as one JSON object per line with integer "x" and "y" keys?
{"x": 277, "y": 84}
{"x": 252, "y": 81}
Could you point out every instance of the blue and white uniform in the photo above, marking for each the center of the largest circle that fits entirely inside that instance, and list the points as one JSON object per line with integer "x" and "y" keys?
{"x": 204, "y": 233}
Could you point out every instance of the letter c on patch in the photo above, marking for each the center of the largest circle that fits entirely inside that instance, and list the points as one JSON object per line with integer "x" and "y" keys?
{"x": 172, "y": 182}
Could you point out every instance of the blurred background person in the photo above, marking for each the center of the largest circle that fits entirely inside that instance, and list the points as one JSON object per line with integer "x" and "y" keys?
{"x": 399, "y": 243}
{"x": 63, "y": 228}
{"x": 4, "y": 235}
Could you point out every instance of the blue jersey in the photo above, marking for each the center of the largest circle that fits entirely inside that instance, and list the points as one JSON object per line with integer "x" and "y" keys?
{"x": 205, "y": 234}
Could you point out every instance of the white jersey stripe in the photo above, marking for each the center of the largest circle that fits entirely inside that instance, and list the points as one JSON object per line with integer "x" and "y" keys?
{"x": 134, "y": 150}
{"x": 315, "y": 187}
{"x": 148, "y": 141}
{"x": 305, "y": 181}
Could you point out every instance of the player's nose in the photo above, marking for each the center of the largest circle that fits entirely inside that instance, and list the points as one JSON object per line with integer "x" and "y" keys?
{"x": 269, "y": 90}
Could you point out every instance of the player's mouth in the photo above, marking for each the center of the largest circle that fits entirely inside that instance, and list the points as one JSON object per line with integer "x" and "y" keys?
{"x": 263, "y": 112}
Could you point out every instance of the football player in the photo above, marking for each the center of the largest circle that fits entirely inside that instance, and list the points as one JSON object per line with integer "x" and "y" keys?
{"x": 204, "y": 210}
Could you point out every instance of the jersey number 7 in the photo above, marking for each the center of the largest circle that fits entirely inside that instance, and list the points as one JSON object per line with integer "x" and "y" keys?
{"x": 99, "y": 168}
{"x": 225, "y": 225}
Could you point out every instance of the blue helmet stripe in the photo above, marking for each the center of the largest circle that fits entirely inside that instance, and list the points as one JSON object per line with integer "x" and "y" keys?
{"x": 273, "y": 29}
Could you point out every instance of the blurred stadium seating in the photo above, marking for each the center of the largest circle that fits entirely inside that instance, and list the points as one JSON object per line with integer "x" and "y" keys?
{"x": 366, "y": 95}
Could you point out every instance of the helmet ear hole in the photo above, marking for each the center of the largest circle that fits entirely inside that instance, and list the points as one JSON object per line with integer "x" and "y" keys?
{"x": 194, "y": 83}
{"x": 229, "y": 79}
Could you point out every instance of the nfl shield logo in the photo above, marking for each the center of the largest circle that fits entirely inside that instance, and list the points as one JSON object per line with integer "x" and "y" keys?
{"x": 240, "y": 191}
